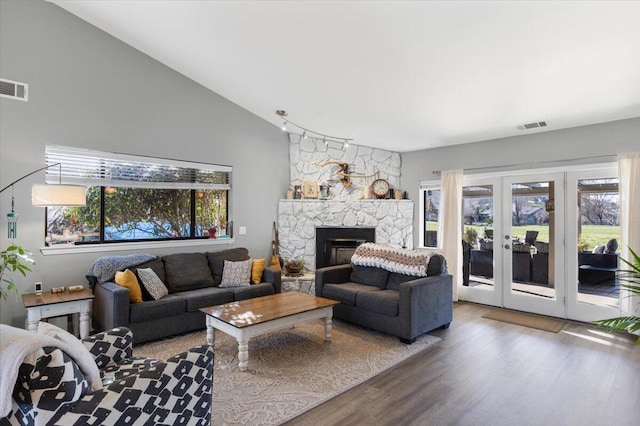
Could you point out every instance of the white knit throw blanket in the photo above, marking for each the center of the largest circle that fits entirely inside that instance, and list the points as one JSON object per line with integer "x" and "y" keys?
{"x": 16, "y": 344}
{"x": 408, "y": 262}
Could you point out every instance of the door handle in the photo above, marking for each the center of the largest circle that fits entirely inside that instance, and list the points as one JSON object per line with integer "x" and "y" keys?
{"x": 507, "y": 246}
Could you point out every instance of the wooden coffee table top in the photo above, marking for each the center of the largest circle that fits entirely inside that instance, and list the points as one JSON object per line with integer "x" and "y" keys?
{"x": 249, "y": 312}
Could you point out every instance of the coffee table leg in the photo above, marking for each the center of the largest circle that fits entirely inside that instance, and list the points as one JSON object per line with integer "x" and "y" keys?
{"x": 243, "y": 354}
{"x": 211, "y": 334}
{"x": 327, "y": 329}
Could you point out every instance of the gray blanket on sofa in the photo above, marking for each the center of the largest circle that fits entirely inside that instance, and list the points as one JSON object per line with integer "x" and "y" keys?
{"x": 104, "y": 268}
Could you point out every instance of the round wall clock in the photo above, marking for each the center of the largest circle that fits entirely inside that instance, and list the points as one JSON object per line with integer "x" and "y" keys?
{"x": 380, "y": 188}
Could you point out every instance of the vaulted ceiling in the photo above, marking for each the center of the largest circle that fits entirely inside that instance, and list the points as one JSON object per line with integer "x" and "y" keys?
{"x": 399, "y": 75}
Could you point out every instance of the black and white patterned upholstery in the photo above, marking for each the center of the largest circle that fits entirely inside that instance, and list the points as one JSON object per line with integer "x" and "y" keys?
{"x": 53, "y": 390}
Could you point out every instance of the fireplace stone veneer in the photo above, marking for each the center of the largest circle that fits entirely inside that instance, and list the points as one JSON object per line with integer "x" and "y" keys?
{"x": 298, "y": 220}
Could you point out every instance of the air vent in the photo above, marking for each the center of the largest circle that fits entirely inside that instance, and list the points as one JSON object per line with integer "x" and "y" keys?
{"x": 14, "y": 90}
{"x": 533, "y": 125}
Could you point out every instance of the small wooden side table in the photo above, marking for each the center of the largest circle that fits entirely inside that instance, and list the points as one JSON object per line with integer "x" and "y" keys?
{"x": 47, "y": 305}
{"x": 302, "y": 283}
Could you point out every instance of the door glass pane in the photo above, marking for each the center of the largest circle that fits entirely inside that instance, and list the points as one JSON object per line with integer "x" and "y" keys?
{"x": 597, "y": 245}
{"x": 532, "y": 238}
{"x": 431, "y": 209}
{"x": 478, "y": 253}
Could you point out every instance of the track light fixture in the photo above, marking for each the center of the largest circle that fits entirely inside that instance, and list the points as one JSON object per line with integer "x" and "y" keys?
{"x": 344, "y": 142}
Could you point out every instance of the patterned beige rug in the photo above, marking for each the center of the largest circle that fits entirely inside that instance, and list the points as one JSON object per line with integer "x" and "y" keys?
{"x": 290, "y": 371}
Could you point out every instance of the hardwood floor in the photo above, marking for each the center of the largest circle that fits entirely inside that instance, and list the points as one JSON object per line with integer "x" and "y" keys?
{"x": 486, "y": 372}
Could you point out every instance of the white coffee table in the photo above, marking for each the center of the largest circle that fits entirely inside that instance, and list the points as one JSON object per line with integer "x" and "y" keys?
{"x": 248, "y": 318}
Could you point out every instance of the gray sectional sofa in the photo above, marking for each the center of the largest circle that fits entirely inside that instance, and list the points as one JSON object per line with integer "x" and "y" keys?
{"x": 403, "y": 305}
{"x": 192, "y": 280}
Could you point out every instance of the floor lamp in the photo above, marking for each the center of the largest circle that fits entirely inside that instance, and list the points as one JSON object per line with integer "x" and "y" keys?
{"x": 46, "y": 195}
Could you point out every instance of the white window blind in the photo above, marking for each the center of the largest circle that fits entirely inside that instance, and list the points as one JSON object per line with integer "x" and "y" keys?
{"x": 95, "y": 168}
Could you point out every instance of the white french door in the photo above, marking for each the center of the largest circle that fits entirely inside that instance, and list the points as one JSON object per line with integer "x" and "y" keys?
{"x": 533, "y": 243}
{"x": 526, "y": 234}
{"x": 516, "y": 258}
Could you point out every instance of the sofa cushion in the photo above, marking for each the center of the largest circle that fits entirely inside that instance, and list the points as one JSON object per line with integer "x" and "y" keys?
{"x": 346, "y": 292}
{"x": 128, "y": 280}
{"x": 216, "y": 261}
{"x": 158, "y": 267}
{"x": 383, "y": 302}
{"x": 236, "y": 274}
{"x": 369, "y": 275}
{"x": 395, "y": 279}
{"x": 257, "y": 269}
{"x": 187, "y": 271}
{"x": 437, "y": 265}
{"x": 256, "y": 290}
{"x": 168, "y": 306}
{"x": 152, "y": 283}
{"x": 203, "y": 297}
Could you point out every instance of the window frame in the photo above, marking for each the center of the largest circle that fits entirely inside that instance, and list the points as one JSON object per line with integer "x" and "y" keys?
{"x": 434, "y": 185}
{"x": 80, "y": 166}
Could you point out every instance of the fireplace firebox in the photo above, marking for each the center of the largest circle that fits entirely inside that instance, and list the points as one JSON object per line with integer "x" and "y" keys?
{"x": 335, "y": 246}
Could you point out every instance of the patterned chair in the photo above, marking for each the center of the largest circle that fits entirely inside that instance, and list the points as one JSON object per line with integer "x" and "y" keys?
{"x": 140, "y": 391}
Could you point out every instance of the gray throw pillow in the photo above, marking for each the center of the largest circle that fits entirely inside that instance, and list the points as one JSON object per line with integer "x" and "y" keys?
{"x": 152, "y": 283}
{"x": 236, "y": 274}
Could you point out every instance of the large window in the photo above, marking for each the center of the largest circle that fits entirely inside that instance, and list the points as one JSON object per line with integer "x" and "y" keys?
{"x": 132, "y": 198}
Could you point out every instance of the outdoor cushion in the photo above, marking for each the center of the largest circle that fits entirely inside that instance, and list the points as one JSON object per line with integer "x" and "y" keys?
{"x": 204, "y": 297}
{"x": 368, "y": 275}
{"x": 383, "y": 302}
{"x": 216, "y": 261}
{"x": 187, "y": 271}
{"x": 256, "y": 290}
{"x": 168, "y": 306}
{"x": 347, "y": 292}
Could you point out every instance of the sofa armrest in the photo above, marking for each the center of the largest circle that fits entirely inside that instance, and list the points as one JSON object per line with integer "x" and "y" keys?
{"x": 273, "y": 276}
{"x": 110, "y": 306}
{"x": 110, "y": 347}
{"x": 332, "y": 275}
{"x": 427, "y": 299}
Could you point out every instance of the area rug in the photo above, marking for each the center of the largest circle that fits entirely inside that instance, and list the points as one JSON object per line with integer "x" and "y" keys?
{"x": 527, "y": 320}
{"x": 291, "y": 370}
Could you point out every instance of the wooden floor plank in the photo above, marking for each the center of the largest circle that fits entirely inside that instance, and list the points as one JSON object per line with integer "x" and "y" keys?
{"x": 486, "y": 372}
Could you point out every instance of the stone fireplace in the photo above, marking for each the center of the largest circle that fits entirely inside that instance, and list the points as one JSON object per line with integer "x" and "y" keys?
{"x": 299, "y": 220}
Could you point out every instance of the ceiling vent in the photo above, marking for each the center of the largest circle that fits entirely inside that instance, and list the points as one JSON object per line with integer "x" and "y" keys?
{"x": 14, "y": 90}
{"x": 534, "y": 125}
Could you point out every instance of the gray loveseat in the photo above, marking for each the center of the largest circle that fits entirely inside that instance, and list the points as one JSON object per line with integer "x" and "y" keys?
{"x": 403, "y": 305}
{"x": 192, "y": 280}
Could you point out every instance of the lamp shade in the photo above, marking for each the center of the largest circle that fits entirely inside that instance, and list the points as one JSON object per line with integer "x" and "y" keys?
{"x": 43, "y": 195}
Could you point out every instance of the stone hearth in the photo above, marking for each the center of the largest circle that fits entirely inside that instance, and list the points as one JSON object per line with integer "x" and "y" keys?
{"x": 298, "y": 219}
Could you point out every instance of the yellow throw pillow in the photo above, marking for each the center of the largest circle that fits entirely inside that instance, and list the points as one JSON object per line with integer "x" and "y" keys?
{"x": 257, "y": 268}
{"x": 128, "y": 280}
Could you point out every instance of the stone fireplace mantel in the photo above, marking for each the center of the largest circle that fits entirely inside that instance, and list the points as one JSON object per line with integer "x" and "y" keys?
{"x": 298, "y": 220}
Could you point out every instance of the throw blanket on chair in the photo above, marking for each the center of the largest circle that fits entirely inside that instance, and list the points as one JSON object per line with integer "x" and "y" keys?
{"x": 104, "y": 268}
{"x": 408, "y": 262}
{"x": 16, "y": 344}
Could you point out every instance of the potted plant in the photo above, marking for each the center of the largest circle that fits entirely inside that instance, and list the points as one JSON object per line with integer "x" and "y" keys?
{"x": 14, "y": 258}
{"x": 631, "y": 283}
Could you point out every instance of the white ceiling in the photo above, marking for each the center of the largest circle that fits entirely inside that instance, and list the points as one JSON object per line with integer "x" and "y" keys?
{"x": 397, "y": 75}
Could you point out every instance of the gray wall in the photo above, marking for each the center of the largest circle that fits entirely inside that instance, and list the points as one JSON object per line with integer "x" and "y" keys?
{"x": 605, "y": 139}
{"x": 88, "y": 89}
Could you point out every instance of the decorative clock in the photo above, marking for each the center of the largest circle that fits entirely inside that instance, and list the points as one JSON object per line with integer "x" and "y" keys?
{"x": 380, "y": 188}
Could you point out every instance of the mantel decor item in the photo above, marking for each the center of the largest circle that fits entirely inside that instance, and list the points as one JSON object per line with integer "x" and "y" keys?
{"x": 310, "y": 189}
